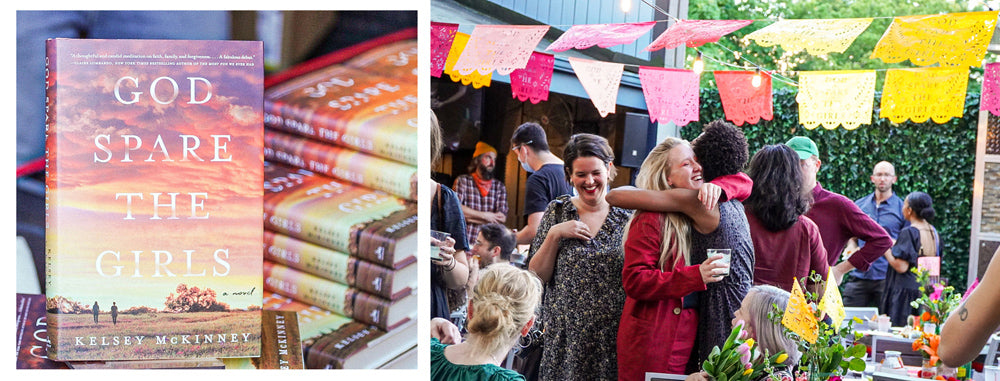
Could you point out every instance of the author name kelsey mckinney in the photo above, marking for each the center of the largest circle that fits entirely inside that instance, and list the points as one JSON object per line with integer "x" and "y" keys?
{"x": 221, "y": 338}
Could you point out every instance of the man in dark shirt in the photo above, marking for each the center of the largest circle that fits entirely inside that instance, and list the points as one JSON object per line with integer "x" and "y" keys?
{"x": 837, "y": 217}
{"x": 864, "y": 289}
{"x": 546, "y": 180}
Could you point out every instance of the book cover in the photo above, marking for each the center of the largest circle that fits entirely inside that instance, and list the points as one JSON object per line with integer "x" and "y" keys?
{"x": 349, "y": 107}
{"x": 346, "y": 164}
{"x": 406, "y": 360}
{"x": 338, "y": 298}
{"x": 398, "y": 59}
{"x": 365, "y": 223}
{"x": 340, "y": 267}
{"x": 154, "y": 153}
{"x": 360, "y": 346}
{"x": 32, "y": 334}
{"x": 192, "y": 363}
{"x": 313, "y": 321}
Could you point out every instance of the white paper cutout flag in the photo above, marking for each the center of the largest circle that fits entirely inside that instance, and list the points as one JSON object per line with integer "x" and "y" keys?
{"x": 600, "y": 80}
{"x": 503, "y": 48}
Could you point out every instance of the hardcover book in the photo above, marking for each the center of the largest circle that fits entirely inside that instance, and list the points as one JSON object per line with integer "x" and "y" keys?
{"x": 349, "y": 107}
{"x": 365, "y": 223}
{"x": 32, "y": 334}
{"x": 398, "y": 60}
{"x": 346, "y": 164}
{"x": 340, "y": 267}
{"x": 193, "y": 363}
{"x": 313, "y": 321}
{"x": 154, "y": 153}
{"x": 339, "y": 298}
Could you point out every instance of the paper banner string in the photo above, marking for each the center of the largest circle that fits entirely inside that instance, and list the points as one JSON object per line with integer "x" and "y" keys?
{"x": 936, "y": 93}
{"x": 990, "y": 98}
{"x": 814, "y": 36}
{"x": 532, "y": 83}
{"x": 832, "y": 302}
{"x": 741, "y": 101}
{"x": 931, "y": 264}
{"x": 671, "y": 94}
{"x": 603, "y": 35}
{"x": 503, "y": 48}
{"x": 953, "y": 39}
{"x": 475, "y": 79}
{"x": 442, "y": 35}
{"x": 799, "y": 317}
{"x": 600, "y": 80}
{"x": 836, "y": 98}
{"x": 695, "y": 33}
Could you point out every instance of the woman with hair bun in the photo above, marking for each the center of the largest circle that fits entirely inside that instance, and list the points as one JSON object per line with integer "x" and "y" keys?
{"x": 501, "y": 310}
{"x": 920, "y": 239}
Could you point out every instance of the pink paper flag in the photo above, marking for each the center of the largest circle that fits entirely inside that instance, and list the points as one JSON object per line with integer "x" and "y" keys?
{"x": 695, "y": 33}
{"x": 503, "y": 48}
{"x": 931, "y": 264}
{"x": 532, "y": 82}
{"x": 603, "y": 35}
{"x": 671, "y": 94}
{"x": 442, "y": 35}
{"x": 990, "y": 98}
{"x": 741, "y": 101}
{"x": 600, "y": 80}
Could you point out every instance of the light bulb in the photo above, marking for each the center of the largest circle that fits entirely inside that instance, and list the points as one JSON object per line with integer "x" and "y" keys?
{"x": 626, "y": 5}
{"x": 755, "y": 81}
{"x": 698, "y": 66}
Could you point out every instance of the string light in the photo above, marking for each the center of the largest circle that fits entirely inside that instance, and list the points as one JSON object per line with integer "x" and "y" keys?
{"x": 698, "y": 66}
{"x": 626, "y": 5}
{"x": 756, "y": 78}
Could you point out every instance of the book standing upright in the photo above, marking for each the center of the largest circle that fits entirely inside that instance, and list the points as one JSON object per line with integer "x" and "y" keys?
{"x": 153, "y": 199}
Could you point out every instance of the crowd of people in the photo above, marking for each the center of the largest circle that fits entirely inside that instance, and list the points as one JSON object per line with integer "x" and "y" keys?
{"x": 619, "y": 282}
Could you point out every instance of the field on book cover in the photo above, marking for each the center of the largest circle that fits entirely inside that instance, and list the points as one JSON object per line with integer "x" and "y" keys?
{"x": 160, "y": 335}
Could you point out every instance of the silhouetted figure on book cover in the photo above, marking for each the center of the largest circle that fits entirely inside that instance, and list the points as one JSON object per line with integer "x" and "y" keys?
{"x": 114, "y": 314}
{"x": 97, "y": 310}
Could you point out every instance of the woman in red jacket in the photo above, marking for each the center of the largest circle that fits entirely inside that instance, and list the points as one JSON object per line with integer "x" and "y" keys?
{"x": 657, "y": 332}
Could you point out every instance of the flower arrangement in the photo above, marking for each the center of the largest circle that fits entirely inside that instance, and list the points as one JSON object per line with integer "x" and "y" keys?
{"x": 936, "y": 300}
{"x": 927, "y": 344}
{"x": 835, "y": 350}
{"x": 739, "y": 359}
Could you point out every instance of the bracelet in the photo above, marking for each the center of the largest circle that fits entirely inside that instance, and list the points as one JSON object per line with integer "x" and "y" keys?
{"x": 451, "y": 265}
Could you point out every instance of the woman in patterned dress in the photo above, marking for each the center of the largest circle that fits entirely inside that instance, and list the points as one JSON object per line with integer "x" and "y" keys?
{"x": 577, "y": 253}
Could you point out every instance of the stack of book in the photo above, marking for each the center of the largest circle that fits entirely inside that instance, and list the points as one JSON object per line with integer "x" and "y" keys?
{"x": 340, "y": 212}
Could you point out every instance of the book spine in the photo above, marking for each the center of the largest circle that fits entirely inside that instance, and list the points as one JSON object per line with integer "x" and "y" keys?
{"x": 280, "y": 345}
{"x": 376, "y": 240}
{"x": 326, "y": 294}
{"x": 328, "y": 264}
{"x": 334, "y": 349}
{"x": 313, "y": 321}
{"x": 346, "y": 164}
{"x": 51, "y": 244}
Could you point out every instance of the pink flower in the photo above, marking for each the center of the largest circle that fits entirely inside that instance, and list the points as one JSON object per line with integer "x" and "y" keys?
{"x": 744, "y": 351}
{"x": 938, "y": 288}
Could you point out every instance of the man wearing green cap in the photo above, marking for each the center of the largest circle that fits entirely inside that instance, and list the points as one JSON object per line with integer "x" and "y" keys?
{"x": 839, "y": 219}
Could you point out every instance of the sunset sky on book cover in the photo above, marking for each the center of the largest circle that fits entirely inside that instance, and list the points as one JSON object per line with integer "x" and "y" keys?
{"x": 106, "y": 242}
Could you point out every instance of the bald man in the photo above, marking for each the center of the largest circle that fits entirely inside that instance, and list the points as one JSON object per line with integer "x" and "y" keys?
{"x": 864, "y": 289}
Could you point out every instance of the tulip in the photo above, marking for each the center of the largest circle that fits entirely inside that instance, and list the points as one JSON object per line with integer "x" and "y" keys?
{"x": 748, "y": 371}
{"x": 938, "y": 288}
{"x": 750, "y": 342}
{"x": 781, "y": 358}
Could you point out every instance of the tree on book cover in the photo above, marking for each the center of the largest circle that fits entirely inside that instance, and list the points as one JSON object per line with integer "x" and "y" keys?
{"x": 338, "y": 298}
{"x": 153, "y": 198}
{"x": 339, "y": 267}
{"x": 369, "y": 171}
{"x": 365, "y": 223}
{"x": 349, "y": 107}
{"x": 398, "y": 59}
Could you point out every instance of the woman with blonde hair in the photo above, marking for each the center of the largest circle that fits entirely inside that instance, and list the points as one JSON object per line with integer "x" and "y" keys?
{"x": 501, "y": 310}
{"x": 657, "y": 331}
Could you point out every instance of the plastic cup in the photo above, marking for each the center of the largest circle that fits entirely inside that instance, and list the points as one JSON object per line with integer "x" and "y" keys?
{"x": 726, "y": 257}
{"x": 884, "y": 323}
{"x": 440, "y": 236}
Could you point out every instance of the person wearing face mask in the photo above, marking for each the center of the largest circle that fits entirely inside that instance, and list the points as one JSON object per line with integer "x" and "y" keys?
{"x": 545, "y": 181}
{"x": 578, "y": 255}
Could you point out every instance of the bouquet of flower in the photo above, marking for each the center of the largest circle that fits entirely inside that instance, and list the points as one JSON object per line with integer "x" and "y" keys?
{"x": 927, "y": 344}
{"x": 936, "y": 300}
{"x": 739, "y": 359}
{"x": 835, "y": 350}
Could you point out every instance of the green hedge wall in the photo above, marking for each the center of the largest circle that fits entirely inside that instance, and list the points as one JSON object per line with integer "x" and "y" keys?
{"x": 935, "y": 158}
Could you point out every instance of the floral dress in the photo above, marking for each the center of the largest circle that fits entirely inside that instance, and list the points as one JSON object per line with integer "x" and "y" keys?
{"x": 583, "y": 301}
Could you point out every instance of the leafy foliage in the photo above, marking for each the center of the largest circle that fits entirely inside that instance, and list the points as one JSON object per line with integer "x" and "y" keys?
{"x": 935, "y": 158}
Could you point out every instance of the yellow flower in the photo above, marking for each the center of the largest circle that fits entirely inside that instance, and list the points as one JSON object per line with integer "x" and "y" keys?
{"x": 748, "y": 371}
{"x": 750, "y": 343}
{"x": 858, "y": 320}
{"x": 781, "y": 358}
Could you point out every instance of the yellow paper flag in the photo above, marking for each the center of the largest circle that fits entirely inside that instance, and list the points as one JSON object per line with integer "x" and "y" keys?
{"x": 936, "y": 93}
{"x": 832, "y": 303}
{"x": 475, "y": 79}
{"x": 816, "y": 36}
{"x": 951, "y": 39}
{"x": 836, "y": 98}
{"x": 799, "y": 317}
